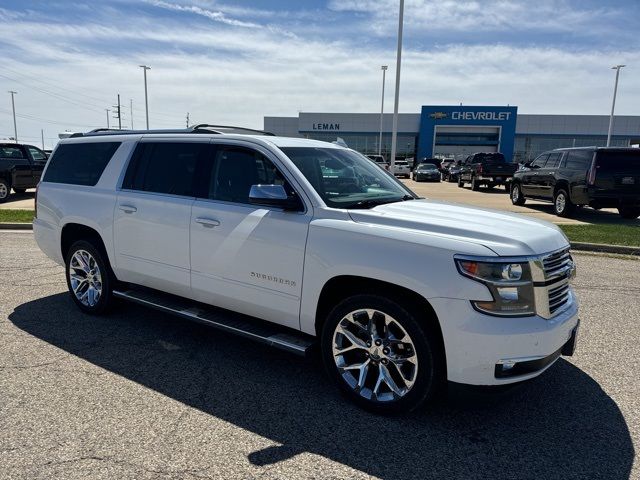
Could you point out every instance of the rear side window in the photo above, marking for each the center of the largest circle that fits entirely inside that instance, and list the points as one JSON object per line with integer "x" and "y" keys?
{"x": 620, "y": 161}
{"x": 164, "y": 167}
{"x": 80, "y": 163}
{"x": 579, "y": 160}
{"x": 554, "y": 160}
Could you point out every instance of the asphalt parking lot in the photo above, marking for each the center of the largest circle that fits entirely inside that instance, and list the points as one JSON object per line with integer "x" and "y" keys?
{"x": 139, "y": 394}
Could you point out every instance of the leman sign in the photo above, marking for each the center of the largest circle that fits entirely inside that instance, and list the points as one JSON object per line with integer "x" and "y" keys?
{"x": 486, "y": 116}
{"x": 326, "y": 126}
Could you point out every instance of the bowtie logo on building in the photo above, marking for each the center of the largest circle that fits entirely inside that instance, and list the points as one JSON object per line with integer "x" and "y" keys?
{"x": 438, "y": 115}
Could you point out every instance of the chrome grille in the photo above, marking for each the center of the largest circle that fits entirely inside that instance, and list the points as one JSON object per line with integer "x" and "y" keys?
{"x": 552, "y": 292}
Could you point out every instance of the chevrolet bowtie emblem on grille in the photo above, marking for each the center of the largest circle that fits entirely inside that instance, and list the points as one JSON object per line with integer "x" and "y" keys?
{"x": 438, "y": 115}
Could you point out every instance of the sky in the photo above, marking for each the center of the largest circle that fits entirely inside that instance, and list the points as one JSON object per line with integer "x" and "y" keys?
{"x": 236, "y": 62}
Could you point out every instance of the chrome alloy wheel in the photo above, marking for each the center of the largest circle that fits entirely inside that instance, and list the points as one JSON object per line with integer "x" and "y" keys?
{"x": 375, "y": 355}
{"x": 561, "y": 202}
{"x": 515, "y": 193}
{"x": 4, "y": 190}
{"x": 85, "y": 278}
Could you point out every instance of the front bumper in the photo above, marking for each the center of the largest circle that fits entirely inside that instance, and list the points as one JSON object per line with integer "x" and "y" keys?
{"x": 476, "y": 343}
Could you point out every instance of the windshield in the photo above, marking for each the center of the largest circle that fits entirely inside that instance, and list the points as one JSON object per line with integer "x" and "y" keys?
{"x": 346, "y": 179}
{"x": 427, "y": 166}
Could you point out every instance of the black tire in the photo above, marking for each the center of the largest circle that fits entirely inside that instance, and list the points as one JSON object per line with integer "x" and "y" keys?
{"x": 475, "y": 186}
{"x": 562, "y": 208}
{"x": 517, "y": 198}
{"x": 430, "y": 370}
{"x": 629, "y": 213}
{"x": 106, "y": 277}
{"x": 19, "y": 191}
{"x": 5, "y": 190}
{"x": 460, "y": 183}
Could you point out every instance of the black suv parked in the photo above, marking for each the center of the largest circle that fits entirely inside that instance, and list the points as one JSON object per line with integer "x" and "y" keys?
{"x": 597, "y": 177}
{"x": 20, "y": 168}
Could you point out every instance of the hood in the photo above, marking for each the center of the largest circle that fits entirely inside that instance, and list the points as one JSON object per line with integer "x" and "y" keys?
{"x": 503, "y": 232}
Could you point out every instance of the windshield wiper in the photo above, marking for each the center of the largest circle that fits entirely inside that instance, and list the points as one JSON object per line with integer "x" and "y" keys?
{"x": 370, "y": 203}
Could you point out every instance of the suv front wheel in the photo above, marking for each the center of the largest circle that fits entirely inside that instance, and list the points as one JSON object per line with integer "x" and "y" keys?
{"x": 5, "y": 188}
{"x": 516, "y": 194}
{"x": 89, "y": 278}
{"x": 379, "y": 355}
{"x": 562, "y": 204}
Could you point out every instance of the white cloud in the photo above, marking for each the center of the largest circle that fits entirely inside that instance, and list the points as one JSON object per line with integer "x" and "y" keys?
{"x": 236, "y": 75}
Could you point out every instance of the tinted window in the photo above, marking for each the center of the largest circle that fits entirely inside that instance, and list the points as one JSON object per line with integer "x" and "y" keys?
{"x": 80, "y": 163}
{"x": 11, "y": 152}
{"x": 540, "y": 161}
{"x": 578, "y": 159}
{"x": 554, "y": 160}
{"x": 236, "y": 169}
{"x": 164, "y": 167}
{"x": 620, "y": 161}
{"x": 37, "y": 154}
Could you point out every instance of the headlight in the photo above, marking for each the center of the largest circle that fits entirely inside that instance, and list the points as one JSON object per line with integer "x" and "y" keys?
{"x": 510, "y": 285}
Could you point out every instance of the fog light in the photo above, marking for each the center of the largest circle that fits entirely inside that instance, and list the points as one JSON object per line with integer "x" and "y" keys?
{"x": 508, "y": 293}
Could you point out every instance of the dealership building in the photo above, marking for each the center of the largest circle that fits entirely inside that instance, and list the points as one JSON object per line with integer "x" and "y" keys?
{"x": 457, "y": 131}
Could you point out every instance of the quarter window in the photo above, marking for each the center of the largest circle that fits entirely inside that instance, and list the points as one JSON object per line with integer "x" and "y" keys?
{"x": 80, "y": 163}
{"x": 164, "y": 167}
{"x": 579, "y": 159}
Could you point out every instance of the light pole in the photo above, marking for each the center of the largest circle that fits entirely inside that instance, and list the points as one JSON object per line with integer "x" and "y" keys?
{"x": 146, "y": 99}
{"x": 394, "y": 130}
{"x": 107, "y": 110}
{"x": 384, "y": 73}
{"x": 613, "y": 104}
{"x": 13, "y": 107}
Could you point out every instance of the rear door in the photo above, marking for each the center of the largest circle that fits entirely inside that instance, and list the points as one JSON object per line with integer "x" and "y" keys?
{"x": 244, "y": 257}
{"x": 546, "y": 175}
{"x": 153, "y": 214}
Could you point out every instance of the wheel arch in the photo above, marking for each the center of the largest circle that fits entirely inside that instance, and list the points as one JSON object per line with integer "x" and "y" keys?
{"x": 341, "y": 287}
{"x": 72, "y": 232}
{"x": 562, "y": 184}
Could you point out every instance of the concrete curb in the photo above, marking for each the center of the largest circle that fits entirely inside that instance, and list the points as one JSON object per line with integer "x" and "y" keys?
{"x": 16, "y": 226}
{"x": 580, "y": 246}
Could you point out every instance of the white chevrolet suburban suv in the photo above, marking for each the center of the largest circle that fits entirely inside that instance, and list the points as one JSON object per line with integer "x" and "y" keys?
{"x": 288, "y": 241}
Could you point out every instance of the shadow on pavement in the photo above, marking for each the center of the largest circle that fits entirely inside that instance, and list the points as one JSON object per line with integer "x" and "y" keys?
{"x": 562, "y": 425}
{"x": 586, "y": 214}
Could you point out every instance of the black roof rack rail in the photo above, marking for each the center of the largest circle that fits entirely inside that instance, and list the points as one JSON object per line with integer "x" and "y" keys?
{"x": 200, "y": 128}
{"x": 208, "y": 128}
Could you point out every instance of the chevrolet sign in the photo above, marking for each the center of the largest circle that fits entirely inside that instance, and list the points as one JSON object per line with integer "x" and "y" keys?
{"x": 438, "y": 115}
{"x": 487, "y": 116}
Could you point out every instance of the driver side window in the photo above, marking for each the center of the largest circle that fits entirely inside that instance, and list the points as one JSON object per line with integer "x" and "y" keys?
{"x": 540, "y": 161}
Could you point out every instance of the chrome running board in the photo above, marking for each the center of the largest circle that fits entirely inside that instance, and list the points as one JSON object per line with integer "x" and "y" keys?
{"x": 254, "y": 329}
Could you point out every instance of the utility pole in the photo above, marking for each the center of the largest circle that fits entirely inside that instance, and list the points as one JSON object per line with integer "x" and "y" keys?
{"x": 146, "y": 99}
{"x": 42, "y": 135}
{"x": 13, "y": 107}
{"x": 107, "y": 110}
{"x": 187, "y": 119}
{"x": 394, "y": 131}
{"x": 613, "y": 104}
{"x": 118, "y": 114}
{"x": 384, "y": 72}
{"x": 131, "y": 111}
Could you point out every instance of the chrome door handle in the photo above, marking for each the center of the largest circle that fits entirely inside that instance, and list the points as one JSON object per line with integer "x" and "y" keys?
{"x": 128, "y": 208}
{"x": 207, "y": 222}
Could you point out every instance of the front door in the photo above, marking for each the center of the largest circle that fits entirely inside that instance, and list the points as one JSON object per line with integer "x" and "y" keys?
{"x": 530, "y": 180}
{"x": 546, "y": 175}
{"x": 153, "y": 213}
{"x": 244, "y": 257}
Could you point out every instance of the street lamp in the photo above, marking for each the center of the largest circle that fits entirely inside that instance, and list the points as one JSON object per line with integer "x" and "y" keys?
{"x": 384, "y": 73}
{"x": 13, "y": 107}
{"x": 146, "y": 100}
{"x": 394, "y": 130}
{"x": 613, "y": 104}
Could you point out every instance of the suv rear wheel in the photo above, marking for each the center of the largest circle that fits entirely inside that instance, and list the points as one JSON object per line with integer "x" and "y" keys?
{"x": 379, "y": 355}
{"x": 5, "y": 188}
{"x": 562, "y": 204}
{"x": 89, "y": 277}
{"x": 516, "y": 194}
{"x": 629, "y": 212}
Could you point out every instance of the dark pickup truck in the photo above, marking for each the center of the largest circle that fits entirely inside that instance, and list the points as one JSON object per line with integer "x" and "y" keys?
{"x": 489, "y": 169}
{"x": 598, "y": 177}
{"x": 20, "y": 168}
